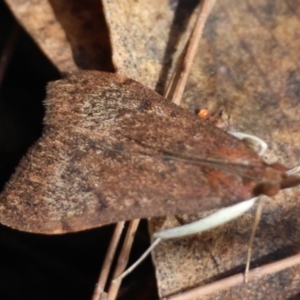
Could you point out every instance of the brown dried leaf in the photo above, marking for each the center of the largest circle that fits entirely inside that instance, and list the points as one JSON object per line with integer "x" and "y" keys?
{"x": 38, "y": 18}
{"x": 115, "y": 150}
{"x": 248, "y": 63}
{"x": 141, "y": 38}
{"x": 147, "y": 36}
{"x": 73, "y": 34}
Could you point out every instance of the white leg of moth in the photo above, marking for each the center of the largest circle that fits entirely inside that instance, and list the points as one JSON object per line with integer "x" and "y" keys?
{"x": 216, "y": 219}
{"x": 262, "y": 144}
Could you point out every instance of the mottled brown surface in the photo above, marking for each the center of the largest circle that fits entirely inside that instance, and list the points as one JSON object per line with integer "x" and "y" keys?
{"x": 146, "y": 37}
{"x": 114, "y": 150}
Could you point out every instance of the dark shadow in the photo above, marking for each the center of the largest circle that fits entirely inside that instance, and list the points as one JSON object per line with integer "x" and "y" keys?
{"x": 87, "y": 32}
{"x": 22, "y": 91}
{"x": 295, "y": 297}
{"x": 184, "y": 10}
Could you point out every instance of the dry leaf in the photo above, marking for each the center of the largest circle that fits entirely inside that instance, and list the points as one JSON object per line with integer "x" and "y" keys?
{"x": 143, "y": 38}
{"x": 38, "y": 18}
{"x": 73, "y": 34}
{"x": 144, "y": 47}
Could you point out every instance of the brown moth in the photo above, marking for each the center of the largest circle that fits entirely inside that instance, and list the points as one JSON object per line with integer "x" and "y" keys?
{"x": 113, "y": 150}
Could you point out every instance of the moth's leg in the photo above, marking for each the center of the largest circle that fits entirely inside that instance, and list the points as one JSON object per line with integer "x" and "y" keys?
{"x": 257, "y": 141}
{"x": 263, "y": 147}
{"x": 216, "y": 219}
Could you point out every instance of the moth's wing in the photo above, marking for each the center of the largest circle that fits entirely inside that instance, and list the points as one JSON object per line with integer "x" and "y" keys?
{"x": 114, "y": 150}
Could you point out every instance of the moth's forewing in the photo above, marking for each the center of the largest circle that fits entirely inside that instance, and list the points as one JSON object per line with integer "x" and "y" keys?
{"x": 114, "y": 150}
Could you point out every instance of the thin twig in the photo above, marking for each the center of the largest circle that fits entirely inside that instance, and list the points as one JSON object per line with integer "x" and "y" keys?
{"x": 190, "y": 51}
{"x": 254, "y": 228}
{"x": 99, "y": 289}
{"x": 123, "y": 259}
{"x": 238, "y": 279}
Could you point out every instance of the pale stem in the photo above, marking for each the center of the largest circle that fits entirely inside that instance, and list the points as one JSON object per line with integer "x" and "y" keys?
{"x": 254, "y": 228}
{"x": 214, "y": 220}
{"x": 99, "y": 289}
{"x": 191, "y": 49}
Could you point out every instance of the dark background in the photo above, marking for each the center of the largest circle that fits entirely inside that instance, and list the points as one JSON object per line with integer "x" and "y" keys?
{"x": 37, "y": 266}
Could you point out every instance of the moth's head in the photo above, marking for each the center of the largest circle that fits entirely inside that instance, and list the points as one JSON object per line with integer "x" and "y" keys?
{"x": 272, "y": 185}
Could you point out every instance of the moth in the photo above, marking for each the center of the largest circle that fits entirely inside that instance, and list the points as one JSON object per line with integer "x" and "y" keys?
{"x": 114, "y": 150}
